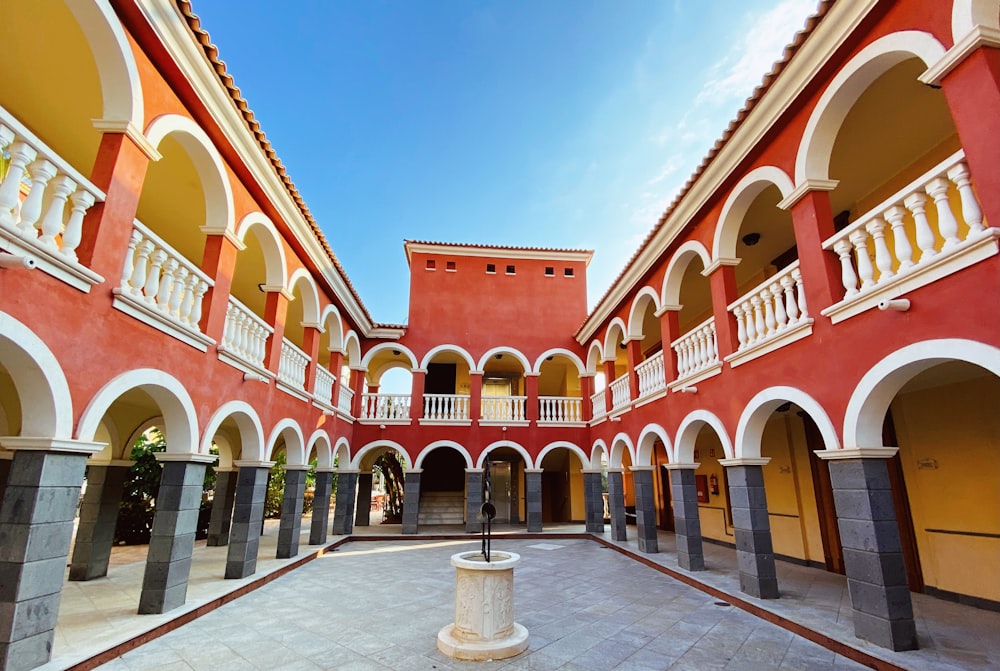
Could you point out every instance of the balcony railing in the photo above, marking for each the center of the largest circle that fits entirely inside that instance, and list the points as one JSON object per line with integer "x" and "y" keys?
{"x": 446, "y": 407}
{"x": 621, "y": 395}
{"x": 559, "y": 410}
{"x": 771, "y": 315}
{"x": 651, "y": 375}
{"x": 292, "y": 365}
{"x": 161, "y": 287}
{"x": 385, "y": 407}
{"x": 345, "y": 399}
{"x": 245, "y": 337}
{"x": 43, "y": 201}
{"x": 323, "y": 392}
{"x": 598, "y": 404}
{"x": 697, "y": 353}
{"x": 503, "y": 408}
{"x": 877, "y": 255}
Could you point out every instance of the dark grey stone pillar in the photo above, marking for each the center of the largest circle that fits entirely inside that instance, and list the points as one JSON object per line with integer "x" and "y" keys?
{"x": 36, "y": 525}
{"x": 363, "y": 506}
{"x": 222, "y": 508}
{"x": 593, "y": 501}
{"x": 4, "y": 474}
{"x": 95, "y": 532}
{"x": 873, "y": 558}
{"x": 754, "y": 549}
{"x": 645, "y": 508}
{"x": 473, "y": 499}
{"x": 168, "y": 561}
{"x": 533, "y": 498}
{"x": 290, "y": 526}
{"x": 248, "y": 515}
{"x": 343, "y": 509}
{"x": 321, "y": 507}
{"x": 687, "y": 519}
{"x": 616, "y": 504}
{"x": 411, "y": 501}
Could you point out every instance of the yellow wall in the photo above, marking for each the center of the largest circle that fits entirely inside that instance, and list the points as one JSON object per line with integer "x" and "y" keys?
{"x": 715, "y": 522}
{"x": 577, "y": 508}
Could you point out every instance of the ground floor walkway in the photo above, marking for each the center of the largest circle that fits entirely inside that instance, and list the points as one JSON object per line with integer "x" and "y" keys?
{"x": 377, "y": 602}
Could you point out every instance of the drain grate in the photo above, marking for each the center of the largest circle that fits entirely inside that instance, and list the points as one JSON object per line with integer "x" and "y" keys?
{"x": 722, "y": 603}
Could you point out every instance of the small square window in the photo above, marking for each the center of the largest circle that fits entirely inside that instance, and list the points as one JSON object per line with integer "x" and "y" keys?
{"x": 511, "y": 270}
{"x": 567, "y": 272}
{"x": 450, "y": 266}
{"x": 431, "y": 264}
{"x": 491, "y": 268}
{"x": 550, "y": 271}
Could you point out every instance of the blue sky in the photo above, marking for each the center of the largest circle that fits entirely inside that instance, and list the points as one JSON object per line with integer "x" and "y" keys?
{"x": 550, "y": 123}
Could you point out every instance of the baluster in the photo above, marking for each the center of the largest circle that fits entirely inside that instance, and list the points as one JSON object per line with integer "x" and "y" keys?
{"x": 797, "y": 276}
{"x": 780, "y": 315}
{"x": 194, "y": 318}
{"x": 759, "y": 325}
{"x": 227, "y": 328}
{"x": 128, "y": 267}
{"x": 41, "y": 171}
{"x": 140, "y": 273}
{"x": 188, "y": 291}
{"x": 769, "y": 318}
{"x": 20, "y": 156}
{"x": 937, "y": 189}
{"x": 244, "y": 344}
{"x": 791, "y": 309}
{"x": 748, "y": 325}
{"x": 175, "y": 301}
{"x": 925, "y": 236}
{"x": 166, "y": 288}
{"x": 883, "y": 258}
{"x": 71, "y": 237}
{"x": 52, "y": 223}
{"x": 900, "y": 241}
{"x": 156, "y": 260}
{"x": 971, "y": 211}
{"x": 866, "y": 271}
{"x": 847, "y": 277}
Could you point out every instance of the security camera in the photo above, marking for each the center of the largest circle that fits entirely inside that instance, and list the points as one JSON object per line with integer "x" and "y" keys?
{"x": 12, "y": 261}
{"x": 897, "y": 304}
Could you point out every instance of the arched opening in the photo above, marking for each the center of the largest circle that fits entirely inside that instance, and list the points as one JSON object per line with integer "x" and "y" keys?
{"x": 616, "y": 350}
{"x": 714, "y": 509}
{"x": 562, "y": 487}
{"x": 644, "y": 325}
{"x": 507, "y": 477}
{"x": 442, "y": 487}
{"x": 503, "y": 391}
{"x": 688, "y": 292}
{"x": 389, "y": 386}
{"x": 447, "y": 386}
{"x": 381, "y": 487}
{"x": 559, "y": 390}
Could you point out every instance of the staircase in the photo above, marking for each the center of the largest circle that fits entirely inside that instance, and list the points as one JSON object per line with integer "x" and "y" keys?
{"x": 441, "y": 508}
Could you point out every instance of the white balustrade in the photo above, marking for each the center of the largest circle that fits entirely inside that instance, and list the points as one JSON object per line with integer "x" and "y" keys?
{"x": 324, "y": 386}
{"x": 559, "y": 409}
{"x": 696, "y": 350}
{"x": 598, "y": 404}
{"x": 245, "y": 334}
{"x": 938, "y": 211}
{"x": 385, "y": 406}
{"x": 345, "y": 399}
{"x": 771, "y": 308}
{"x": 651, "y": 375}
{"x": 446, "y": 407}
{"x": 43, "y": 199}
{"x": 292, "y": 365}
{"x": 506, "y": 408}
{"x": 161, "y": 281}
{"x": 621, "y": 395}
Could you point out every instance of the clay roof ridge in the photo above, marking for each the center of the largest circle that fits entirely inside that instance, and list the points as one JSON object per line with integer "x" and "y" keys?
{"x": 493, "y": 246}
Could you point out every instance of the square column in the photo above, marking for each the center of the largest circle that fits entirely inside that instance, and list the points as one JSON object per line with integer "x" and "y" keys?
{"x": 616, "y": 504}
{"x": 754, "y": 549}
{"x": 248, "y": 516}
{"x": 363, "y": 506}
{"x": 873, "y": 557}
{"x": 687, "y": 519}
{"x": 290, "y": 527}
{"x": 321, "y": 506}
{"x": 593, "y": 501}
{"x": 645, "y": 508}
{"x": 168, "y": 561}
{"x": 222, "y": 507}
{"x": 411, "y": 501}
{"x": 473, "y": 499}
{"x": 95, "y": 532}
{"x": 5, "y": 459}
{"x": 533, "y": 498}
{"x": 343, "y": 510}
{"x": 36, "y": 524}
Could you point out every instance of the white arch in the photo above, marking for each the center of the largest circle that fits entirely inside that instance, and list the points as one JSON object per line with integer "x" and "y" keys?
{"x": 394, "y": 346}
{"x": 504, "y": 443}
{"x": 740, "y": 199}
{"x": 342, "y": 453}
{"x": 967, "y": 14}
{"x": 121, "y": 89}
{"x": 572, "y": 447}
{"x": 45, "y": 399}
{"x": 247, "y": 422}
{"x": 332, "y": 324}
{"x": 310, "y": 295}
{"x": 179, "y": 416}
{"x": 670, "y": 293}
{"x": 819, "y": 137}
{"x": 219, "y": 217}
{"x": 376, "y": 444}
{"x": 592, "y": 360}
{"x": 460, "y": 351}
{"x": 275, "y": 263}
{"x": 619, "y": 444}
{"x": 873, "y": 394}
{"x": 687, "y": 434}
{"x": 750, "y": 430}
{"x": 320, "y": 441}
{"x": 637, "y": 310}
{"x": 597, "y": 450}
{"x": 525, "y": 366}
{"x": 352, "y": 348}
{"x": 443, "y": 443}
{"x": 295, "y": 452}
{"x": 559, "y": 351}
{"x": 610, "y": 349}
{"x": 644, "y": 446}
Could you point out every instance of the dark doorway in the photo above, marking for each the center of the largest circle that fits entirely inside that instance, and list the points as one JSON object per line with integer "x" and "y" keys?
{"x": 833, "y": 553}
{"x": 440, "y": 378}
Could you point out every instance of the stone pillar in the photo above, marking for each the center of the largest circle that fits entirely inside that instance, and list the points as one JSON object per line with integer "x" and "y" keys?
{"x": 343, "y": 510}
{"x": 593, "y": 501}
{"x": 473, "y": 499}
{"x": 754, "y": 549}
{"x": 290, "y": 526}
{"x": 411, "y": 501}
{"x": 248, "y": 516}
{"x": 616, "y": 503}
{"x": 5, "y": 459}
{"x": 36, "y": 525}
{"x": 687, "y": 519}
{"x": 363, "y": 506}
{"x": 222, "y": 507}
{"x": 95, "y": 532}
{"x": 645, "y": 508}
{"x": 533, "y": 498}
{"x": 168, "y": 561}
{"x": 321, "y": 506}
{"x": 873, "y": 558}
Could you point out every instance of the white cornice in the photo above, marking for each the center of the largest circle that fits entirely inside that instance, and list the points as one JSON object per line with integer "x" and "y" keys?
{"x": 488, "y": 252}
{"x": 804, "y": 67}
{"x": 979, "y": 36}
{"x": 132, "y": 133}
